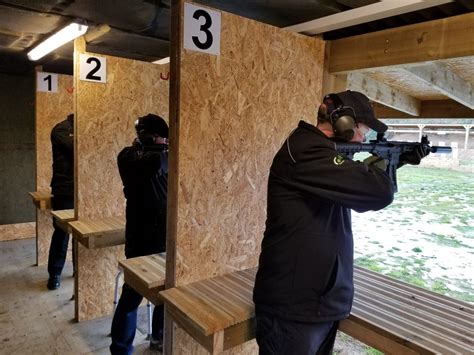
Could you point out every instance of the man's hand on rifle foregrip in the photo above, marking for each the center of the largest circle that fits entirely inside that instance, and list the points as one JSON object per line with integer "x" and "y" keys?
{"x": 414, "y": 157}
{"x": 379, "y": 162}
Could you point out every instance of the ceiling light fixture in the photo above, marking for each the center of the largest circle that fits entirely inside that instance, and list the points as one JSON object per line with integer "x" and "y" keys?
{"x": 162, "y": 61}
{"x": 60, "y": 38}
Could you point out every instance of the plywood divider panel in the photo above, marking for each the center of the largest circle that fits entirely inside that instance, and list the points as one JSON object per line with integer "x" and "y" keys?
{"x": 17, "y": 231}
{"x": 51, "y": 108}
{"x": 104, "y": 125}
{"x": 235, "y": 110}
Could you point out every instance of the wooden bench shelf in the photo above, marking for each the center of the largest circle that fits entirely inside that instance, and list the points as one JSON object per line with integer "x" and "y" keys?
{"x": 146, "y": 275}
{"x": 99, "y": 233}
{"x": 42, "y": 200}
{"x": 388, "y": 314}
{"x": 62, "y": 218}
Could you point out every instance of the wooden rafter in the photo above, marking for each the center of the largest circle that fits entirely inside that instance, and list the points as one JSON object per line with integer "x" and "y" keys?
{"x": 429, "y": 109}
{"x": 384, "y": 94}
{"x": 426, "y": 41}
{"x": 363, "y": 14}
{"x": 446, "y": 82}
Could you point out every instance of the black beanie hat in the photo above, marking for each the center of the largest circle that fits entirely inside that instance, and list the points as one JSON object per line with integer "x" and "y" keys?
{"x": 152, "y": 124}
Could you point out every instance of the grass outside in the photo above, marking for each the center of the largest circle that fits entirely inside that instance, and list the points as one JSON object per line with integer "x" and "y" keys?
{"x": 426, "y": 236}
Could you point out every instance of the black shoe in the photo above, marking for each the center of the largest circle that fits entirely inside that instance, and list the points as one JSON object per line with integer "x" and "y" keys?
{"x": 54, "y": 282}
{"x": 156, "y": 345}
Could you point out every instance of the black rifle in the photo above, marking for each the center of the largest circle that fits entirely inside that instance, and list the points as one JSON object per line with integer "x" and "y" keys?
{"x": 388, "y": 150}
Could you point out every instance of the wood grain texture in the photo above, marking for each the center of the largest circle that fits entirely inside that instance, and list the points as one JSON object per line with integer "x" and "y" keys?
{"x": 17, "y": 231}
{"x": 234, "y": 112}
{"x": 105, "y": 116}
{"x": 391, "y": 315}
{"x": 51, "y": 108}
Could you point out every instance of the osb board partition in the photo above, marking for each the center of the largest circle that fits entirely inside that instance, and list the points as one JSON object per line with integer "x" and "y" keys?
{"x": 17, "y": 231}
{"x": 51, "y": 108}
{"x": 105, "y": 125}
{"x": 235, "y": 111}
{"x": 105, "y": 116}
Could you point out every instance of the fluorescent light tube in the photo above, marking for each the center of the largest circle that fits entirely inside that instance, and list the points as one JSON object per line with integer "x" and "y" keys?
{"x": 162, "y": 61}
{"x": 60, "y": 38}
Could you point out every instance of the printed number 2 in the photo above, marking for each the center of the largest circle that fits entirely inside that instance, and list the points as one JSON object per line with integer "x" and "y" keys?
{"x": 91, "y": 75}
{"x": 48, "y": 79}
{"x": 204, "y": 28}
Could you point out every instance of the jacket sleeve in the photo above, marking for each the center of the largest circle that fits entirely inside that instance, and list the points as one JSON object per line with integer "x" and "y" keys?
{"x": 322, "y": 173}
{"x": 145, "y": 163}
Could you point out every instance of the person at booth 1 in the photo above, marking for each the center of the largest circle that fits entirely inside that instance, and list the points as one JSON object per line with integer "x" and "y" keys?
{"x": 143, "y": 168}
{"x": 62, "y": 189}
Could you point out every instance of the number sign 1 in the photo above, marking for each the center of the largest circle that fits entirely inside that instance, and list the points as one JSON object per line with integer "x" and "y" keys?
{"x": 92, "y": 68}
{"x": 202, "y": 29}
{"x": 46, "y": 82}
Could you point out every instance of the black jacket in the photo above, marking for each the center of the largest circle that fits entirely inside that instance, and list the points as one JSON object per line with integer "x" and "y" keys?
{"x": 306, "y": 264}
{"x": 62, "y": 140}
{"x": 144, "y": 174}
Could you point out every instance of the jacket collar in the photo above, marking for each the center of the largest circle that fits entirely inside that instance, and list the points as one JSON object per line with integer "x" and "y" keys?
{"x": 305, "y": 125}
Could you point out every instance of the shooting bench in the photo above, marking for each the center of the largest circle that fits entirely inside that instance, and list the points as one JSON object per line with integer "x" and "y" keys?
{"x": 42, "y": 200}
{"x": 62, "y": 219}
{"x": 99, "y": 233}
{"x": 146, "y": 275}
{"x": 388, "y": 314}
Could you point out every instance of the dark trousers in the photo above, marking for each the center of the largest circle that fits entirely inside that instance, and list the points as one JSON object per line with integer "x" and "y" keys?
{"x": 60, "y": 238}
{"x": 276, "y": 336}
{"x": 124, "y": 323}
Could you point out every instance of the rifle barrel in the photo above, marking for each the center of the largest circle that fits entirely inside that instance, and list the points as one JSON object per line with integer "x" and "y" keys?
{"x": 438, "y": 149}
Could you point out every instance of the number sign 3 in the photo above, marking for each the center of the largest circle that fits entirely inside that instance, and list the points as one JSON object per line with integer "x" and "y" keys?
{"x": 46, "y": 82}
{"x": 92, "y": 68}
{"x": 202, "y": 29}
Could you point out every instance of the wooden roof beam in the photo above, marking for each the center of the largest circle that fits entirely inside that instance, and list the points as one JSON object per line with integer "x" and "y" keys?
{"x": 429, "y": 109}
{"x": 426, "y": 41}
{"x": 384, "y": 94}
{"x": 446, "y": 82}
{"x": 363, "y": 14}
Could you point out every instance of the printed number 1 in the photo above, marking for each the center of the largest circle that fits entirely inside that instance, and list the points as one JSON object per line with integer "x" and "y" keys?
{"x": 204, "y": 28}
{"x": 50, "y": 85}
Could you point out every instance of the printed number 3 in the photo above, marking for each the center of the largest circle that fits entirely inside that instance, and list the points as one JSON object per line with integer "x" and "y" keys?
{"x": 204, "y": 28}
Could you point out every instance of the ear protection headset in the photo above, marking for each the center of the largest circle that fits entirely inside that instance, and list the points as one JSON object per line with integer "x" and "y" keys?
{"x": 342, "y": 118}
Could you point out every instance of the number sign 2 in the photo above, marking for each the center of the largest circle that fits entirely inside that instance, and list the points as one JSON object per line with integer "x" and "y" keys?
{"x": 202, "y": 29}
{"x": 92, "y": 68}
{"x": 46, "y": 82}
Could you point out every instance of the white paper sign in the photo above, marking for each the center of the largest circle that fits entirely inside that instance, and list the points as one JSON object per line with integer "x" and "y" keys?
{"x": 202, "y": 29}
{"x": 46, "y": 82}
{"x": 92, "y": 68}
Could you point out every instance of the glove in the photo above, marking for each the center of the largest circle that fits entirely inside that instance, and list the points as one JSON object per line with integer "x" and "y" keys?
{"x": 376, "y": 161}
{"x": 414, "y": 157}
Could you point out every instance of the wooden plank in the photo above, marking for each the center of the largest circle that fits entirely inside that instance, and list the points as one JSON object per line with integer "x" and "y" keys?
{"x": 384, "y": 94}
{"x": 426, "y": 41}
{"x": 363, "y": 14}
{"x": 446, "y": 82}
{"x": 42, "y": 200}
{"x": 151, "y": 294}
{"x": 99, "y": 233}
{"x": 429, "y": 109}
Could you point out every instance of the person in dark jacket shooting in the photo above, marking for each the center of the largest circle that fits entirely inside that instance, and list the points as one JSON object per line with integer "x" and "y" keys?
{"x": 62, "y": 189}
{"x": 143, "y": 168}
{"x": 304, "y": 282}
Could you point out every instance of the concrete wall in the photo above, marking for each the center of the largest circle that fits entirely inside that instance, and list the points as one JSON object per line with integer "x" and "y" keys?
{"x": 17, "y": 148}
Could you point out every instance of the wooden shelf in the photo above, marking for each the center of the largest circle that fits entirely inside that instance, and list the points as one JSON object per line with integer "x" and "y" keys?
{"x": 387, "y": 314}
{"x": 99, "y": 233}
{"x": 62, "y": 218}
{"x": 146, "y": 275}
{"x": 42, "y": 200}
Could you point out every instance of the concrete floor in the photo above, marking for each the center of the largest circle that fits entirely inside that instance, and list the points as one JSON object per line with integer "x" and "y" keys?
{"x": 34, "y": 320}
